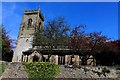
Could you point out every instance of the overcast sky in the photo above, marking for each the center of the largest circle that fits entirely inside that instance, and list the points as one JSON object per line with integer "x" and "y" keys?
{"x": 100, "y": 17}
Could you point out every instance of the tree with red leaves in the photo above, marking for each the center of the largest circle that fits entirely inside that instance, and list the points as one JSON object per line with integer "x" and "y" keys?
{"x": 6, "y": 46}
{"x": 114, "y": 47}
{"x": 87, "y": 44}
{"x": 78, "y": 42}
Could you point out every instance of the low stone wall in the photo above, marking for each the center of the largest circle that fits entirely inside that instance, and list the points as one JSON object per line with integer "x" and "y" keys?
{"x": 17, "y": 71}
{"x": 14, "y": 70}
{"x": 100, "y": 72}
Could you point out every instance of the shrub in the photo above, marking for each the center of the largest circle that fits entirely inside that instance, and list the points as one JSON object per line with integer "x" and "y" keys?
{"x": 41, "y": 70}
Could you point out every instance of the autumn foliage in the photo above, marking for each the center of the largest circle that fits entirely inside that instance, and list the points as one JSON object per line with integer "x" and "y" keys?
{"x": 6, "y": 47}
{"x": 104, "y": 51}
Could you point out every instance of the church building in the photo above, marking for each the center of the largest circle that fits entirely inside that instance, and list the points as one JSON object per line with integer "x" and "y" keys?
{"x": 33, "y": 20}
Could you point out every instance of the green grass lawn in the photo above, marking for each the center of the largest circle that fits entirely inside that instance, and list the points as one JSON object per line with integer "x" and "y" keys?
{"x": 1, "y": 69}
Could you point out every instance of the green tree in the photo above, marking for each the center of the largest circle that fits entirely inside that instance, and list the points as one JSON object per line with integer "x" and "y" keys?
{"x": 55, "y": 34}
{"x": 57, "y": 31}
{"x": 39, "y": 38}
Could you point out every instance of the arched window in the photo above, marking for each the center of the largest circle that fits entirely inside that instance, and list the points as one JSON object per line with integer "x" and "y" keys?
{"x": 29, "y": 22}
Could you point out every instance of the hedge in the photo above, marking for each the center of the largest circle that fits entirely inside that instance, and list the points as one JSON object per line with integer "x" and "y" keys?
{"x": 41, "y": 70}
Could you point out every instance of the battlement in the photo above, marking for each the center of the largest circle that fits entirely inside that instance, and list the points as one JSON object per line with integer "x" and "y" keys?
{"x": 27, "y": 12}
{"x": 30, "y": 11}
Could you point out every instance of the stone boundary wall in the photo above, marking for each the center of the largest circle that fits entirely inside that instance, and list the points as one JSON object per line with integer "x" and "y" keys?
{"x": 16, "y": 70}
{"x": 100, "y": 72}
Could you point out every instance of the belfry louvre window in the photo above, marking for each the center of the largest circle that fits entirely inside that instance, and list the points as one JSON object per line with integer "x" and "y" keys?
{"x": 30, "y": 22}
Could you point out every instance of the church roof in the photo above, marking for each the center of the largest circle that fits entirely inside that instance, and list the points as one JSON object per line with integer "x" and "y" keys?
{"x": 53, "y": 51}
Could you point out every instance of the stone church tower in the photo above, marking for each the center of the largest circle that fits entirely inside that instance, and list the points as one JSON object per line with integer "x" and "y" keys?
{"x": 31, "y": 21}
